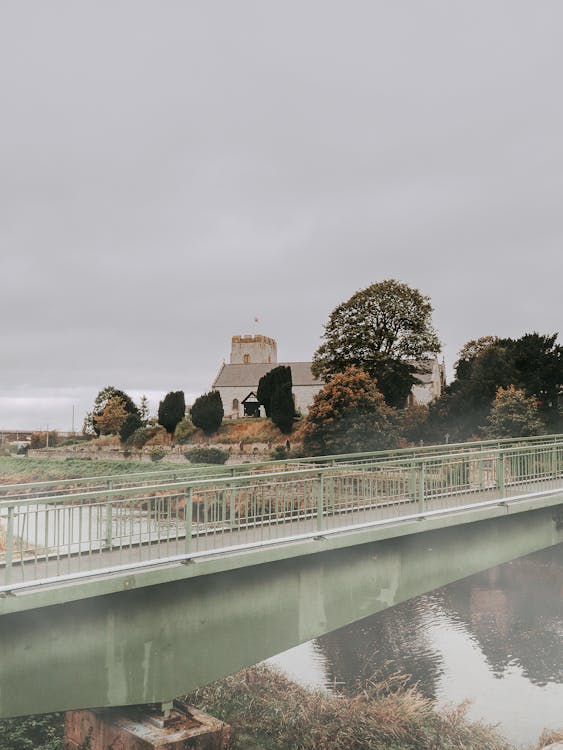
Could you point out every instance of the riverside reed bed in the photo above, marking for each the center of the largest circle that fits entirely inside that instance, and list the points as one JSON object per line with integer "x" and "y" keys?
{"x": 269, "y": 712}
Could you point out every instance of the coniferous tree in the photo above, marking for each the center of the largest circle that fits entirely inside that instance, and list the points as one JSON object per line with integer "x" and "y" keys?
{"x": 269, "y": 383}
{"x": 207, "y": 412}
{"x": 171, "y": 410}
{"x": 282, "y": 408}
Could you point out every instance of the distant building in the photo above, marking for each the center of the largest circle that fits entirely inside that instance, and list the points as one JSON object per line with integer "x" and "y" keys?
{"x": 253, "y": 356}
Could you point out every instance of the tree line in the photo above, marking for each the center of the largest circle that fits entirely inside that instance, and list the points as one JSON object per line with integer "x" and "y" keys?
{"x": 375, "y": 347}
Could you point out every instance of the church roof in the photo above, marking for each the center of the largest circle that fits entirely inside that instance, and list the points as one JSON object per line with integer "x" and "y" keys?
{"x": 248, "y": 375}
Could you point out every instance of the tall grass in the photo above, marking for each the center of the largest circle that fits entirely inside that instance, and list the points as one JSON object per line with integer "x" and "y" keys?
{"x": 268, "y": 711}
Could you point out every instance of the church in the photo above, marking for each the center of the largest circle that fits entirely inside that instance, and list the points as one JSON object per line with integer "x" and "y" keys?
{"x": 252, "y": 356}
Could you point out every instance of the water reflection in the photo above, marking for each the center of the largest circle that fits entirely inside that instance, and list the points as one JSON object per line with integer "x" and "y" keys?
{"x": 494, "y": 638}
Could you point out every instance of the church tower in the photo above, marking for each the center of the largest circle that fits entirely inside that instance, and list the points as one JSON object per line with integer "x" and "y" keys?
{"x": 253, "y": 350}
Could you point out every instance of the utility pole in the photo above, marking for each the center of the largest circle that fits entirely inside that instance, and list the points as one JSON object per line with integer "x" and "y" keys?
{"x": 73, "y": 420}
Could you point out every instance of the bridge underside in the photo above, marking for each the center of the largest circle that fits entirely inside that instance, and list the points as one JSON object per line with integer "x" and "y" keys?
{"x": 153, "y": 643}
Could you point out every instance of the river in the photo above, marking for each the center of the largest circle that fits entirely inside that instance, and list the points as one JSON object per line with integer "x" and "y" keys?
{"x": 495, "y": 639}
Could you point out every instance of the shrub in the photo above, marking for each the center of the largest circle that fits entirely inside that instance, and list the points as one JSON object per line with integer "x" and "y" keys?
{"x": 279, "y": 453}
{"x": 153, "y": 435}
{"x": 207, "y": 412}
{"x": 184, "y": 430}
{"x": 157, "y": 454}
{"x": 206, "y": 456}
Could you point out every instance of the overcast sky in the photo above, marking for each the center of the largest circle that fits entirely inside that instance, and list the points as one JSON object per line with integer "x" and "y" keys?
{"x": 169, "y": 170}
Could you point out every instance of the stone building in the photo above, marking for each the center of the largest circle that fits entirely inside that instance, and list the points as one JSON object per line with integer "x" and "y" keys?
{"x": 251, "y": 358}
{"x": 254, "y": 356}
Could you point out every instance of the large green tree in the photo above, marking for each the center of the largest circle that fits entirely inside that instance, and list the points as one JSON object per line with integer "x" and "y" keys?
{"x": 382, "y": 329}
{"x": 532, "y": 363}
{"x": 207, "y": 412}
{"x": 349, "y": 415}
{"x": 171, "y": 410}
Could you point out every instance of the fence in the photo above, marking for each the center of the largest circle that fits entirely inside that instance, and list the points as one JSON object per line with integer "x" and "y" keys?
{"x": 94, "y": 529}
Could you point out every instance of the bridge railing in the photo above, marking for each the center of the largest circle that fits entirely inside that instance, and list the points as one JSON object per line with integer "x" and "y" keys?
{"x": 97, "y": 529}
{"x": 190, "y": 472}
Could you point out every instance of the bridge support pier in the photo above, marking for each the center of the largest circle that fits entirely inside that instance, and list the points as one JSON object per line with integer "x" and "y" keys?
{"x": 177, "y": 727}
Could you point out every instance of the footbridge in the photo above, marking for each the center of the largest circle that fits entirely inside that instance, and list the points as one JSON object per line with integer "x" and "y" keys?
{"x": 134, "y": 589}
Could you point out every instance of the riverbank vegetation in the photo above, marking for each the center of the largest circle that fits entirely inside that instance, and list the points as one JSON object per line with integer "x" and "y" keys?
{"x": 269, "y": 712}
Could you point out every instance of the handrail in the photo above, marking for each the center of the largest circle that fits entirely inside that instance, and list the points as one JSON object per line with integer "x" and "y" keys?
{"x": 127, "y": 491}
{"x": 233, "y": 469}
{"x": 12, "y": 589}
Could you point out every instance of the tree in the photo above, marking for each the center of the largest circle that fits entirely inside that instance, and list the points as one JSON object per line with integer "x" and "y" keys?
{"x": 513, "y": 414}
{"x": 380, "y": 329}
{"x": 532, "y": 363}
{"x": 269, "y": 383}
{"x": 283, "y": 408}
{"x": 207, "y": 412}
{"x": 349, "y": 415}
{"x": 131, "y": 424}
{"x": 144, "y": 409}
{"x": 103, "y": 397}
{"x": 469, "y": 352}
{"x": 112, "y": 417}
{"x": 172, "y": 410}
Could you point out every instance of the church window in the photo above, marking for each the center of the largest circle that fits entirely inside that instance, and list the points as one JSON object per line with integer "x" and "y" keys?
{"x": 246, "y": 359}
{"x": 235, "y": 403}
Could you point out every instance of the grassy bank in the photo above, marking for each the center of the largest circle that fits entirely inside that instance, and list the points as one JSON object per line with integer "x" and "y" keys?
{"x": 269, "y": 712}
{"x": 29, "y": 469}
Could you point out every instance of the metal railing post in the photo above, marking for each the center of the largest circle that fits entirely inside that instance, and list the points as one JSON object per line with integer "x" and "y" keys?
{"x": 9, "y": 545}
{"x": 188, "y": 517}
{"x": 109, "y": 519}
{"x": 421, "y": 478}
{"x": 232, "y": 507}
{"x": 500, "y": 474}
{"x": 320, "y": 503}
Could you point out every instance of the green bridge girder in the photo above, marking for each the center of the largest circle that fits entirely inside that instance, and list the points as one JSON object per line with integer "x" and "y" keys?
{"x": 148, "y": 636}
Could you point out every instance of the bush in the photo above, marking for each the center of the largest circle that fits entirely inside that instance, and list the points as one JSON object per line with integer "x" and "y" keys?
{"x": 184, "y": 430}
{"x": 207, "y": 412}
{"x": 153, "y": 435}
{"x": 157, "y": 454}
{"x": 279, "y": 453}
{"x": 206, "y": 456}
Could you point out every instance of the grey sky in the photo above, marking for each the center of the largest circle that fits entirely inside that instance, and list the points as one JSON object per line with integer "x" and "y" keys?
{"x": 170, "y": 170}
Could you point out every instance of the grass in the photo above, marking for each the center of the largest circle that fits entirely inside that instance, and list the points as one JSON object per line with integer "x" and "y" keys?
{"x": 269, "y": 712}
{"x": 27, "y": 469}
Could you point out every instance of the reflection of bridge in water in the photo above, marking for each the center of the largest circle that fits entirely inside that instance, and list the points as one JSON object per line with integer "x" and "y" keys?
{"x": 120, "y": 573}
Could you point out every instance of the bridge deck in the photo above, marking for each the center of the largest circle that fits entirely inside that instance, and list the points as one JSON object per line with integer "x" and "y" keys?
{"x": 214, "y": 537}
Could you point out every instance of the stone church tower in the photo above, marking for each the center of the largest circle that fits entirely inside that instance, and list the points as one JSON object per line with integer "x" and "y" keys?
{"x": 253, "y": 350}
